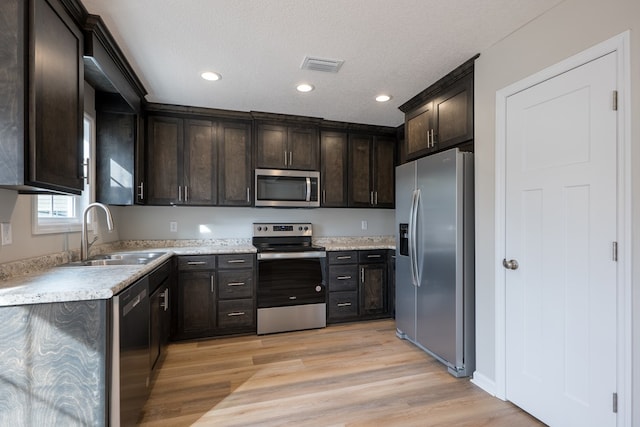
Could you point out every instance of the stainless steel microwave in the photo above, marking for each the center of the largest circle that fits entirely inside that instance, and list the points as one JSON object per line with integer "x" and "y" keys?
{"x": 287, "y": 188}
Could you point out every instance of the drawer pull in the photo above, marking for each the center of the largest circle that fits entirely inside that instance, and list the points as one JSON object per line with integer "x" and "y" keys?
{"x": 344, "y": 277}
{"x": 235, "y": 261}
{"x": 236, "y": 313}
{"x": 293, "y": 298}
{"x": 235, "y": 284}
{"x": 344, "y": 304}
{"x": 374, "y": 256}
{"x": 344, "y": 257}
{"x": 196, "y": 262}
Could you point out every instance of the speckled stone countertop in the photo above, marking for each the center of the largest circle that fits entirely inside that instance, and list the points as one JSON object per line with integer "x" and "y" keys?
{"x": 356, "y": 243}
{"x": 44, "y": 280}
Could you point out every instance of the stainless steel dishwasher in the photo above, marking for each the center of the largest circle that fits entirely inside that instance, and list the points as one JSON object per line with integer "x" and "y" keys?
{"x": 130, "y": 369}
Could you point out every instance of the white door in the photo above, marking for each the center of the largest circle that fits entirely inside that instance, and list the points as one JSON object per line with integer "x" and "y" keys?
{"x": 560, "y": 228}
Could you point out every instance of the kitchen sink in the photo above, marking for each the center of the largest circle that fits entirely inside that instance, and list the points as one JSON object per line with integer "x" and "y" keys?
{"x": 121, "y": 258}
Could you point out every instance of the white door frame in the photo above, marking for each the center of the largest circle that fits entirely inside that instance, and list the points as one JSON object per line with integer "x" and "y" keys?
{"x": 619, "y": 44}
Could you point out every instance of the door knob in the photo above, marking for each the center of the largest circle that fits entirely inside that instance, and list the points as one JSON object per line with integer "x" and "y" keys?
{"x": 512, "y": 264}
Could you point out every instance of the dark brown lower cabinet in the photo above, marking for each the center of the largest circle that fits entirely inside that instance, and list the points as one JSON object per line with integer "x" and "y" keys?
{"x": 216, "y": 295}
{"x": 357, "y": 285}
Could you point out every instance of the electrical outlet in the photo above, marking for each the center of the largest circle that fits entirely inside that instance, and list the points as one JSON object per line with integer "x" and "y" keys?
{"x": 5, "y": 232}
{"x": 173, "y": 226}
{"x": 364, "y": 224}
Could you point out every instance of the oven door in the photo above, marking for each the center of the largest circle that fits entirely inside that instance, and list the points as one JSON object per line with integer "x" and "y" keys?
{"x": 290, "y": 281}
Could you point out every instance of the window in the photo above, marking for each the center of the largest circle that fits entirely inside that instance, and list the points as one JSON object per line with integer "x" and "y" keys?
{"x": 53, "y": 213}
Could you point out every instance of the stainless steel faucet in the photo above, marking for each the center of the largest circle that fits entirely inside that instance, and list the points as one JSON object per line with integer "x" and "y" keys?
{"x": 85, "y": 245}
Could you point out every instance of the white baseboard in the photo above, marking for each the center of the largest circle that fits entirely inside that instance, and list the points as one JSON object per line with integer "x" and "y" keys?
{"x": 484, "y": 382}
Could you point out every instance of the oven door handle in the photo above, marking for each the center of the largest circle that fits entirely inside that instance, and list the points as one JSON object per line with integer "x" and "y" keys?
{"x": 292, "y": 255}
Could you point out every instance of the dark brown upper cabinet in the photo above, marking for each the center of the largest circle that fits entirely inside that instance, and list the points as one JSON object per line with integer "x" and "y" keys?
{"x": 281, "y": 146}
{"x": 441, "y": 116}
{"x": 181, "y": 161}
{"x": 235, "y": 185}
{"x": 119, "y": 122}
{"x": 371, "y": 171}
{"x": 195, "y": 158}
{"x": 41, "y": 96}
{"x": 334, "y": 158}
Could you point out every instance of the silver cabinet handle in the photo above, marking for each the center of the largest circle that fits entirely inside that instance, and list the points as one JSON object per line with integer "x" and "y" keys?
{"x": 165, "y": 300}
{"x": 362, "y": 274}
{"x": 344, "y": 304}
{"x": 236, "y": 284}
{"x": 293, "y": 298}
{"x": 512, "y": 264}
{"x": 212, "y": 284}
{"x": 196, "y": 262}
{"x": 186, "y": 193}
{"x": 371, "y": 197}
{"x": 285, "y": 158}
{"x": 248, "y": 195}
{"x": 374, "y": 256}
{"x": 290, "y": 158}
{"x": 376, "y": 198}
{"x": 236, "y": 261}
{"x": 324, "y": 196}
{"x": 343, "y": 277}
{"x": 236, "y": 313}
{"x": 179, "y": 193}
{"x": 141, "y": 191}
{"x": 344, "y": 257}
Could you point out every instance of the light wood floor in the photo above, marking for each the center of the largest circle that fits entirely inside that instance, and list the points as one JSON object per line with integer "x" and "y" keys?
{"x": 355, "y": 374}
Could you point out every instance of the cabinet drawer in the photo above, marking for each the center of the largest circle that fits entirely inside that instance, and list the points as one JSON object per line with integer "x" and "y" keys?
{"x": 235, "y": 284}
{"x": 379, "y": 255}
{"x": 236, "y": 313}
{"x": 343, "y": 257}
{"x": 343, "y": 305}
{"x": 236, "y": 261}
{"x": 197, "y": 262}
{"x": 343, "y": 278}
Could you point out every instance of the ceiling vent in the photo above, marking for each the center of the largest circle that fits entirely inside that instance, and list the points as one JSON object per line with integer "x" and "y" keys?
{"x": 321, "y": 64}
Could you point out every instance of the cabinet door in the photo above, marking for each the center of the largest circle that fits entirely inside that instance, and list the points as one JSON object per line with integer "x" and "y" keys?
{"x": 271, "y": 147}
{"x": 56, "y": 101}
{"x": 373, "y": 289}
{"x": 418, "y": 134}
{"x": 196, "y": 303}
{"x": 115, "y": 145}
{"x": 384, "y": 172}
{"x": 360, "y": 189}
{"x": 333, "y": 177}
{"x": 454, "y": 114}
{"x": 164, "y": 159}
{"x": 200, "y": 163}
{"x": 235, "y": 154}
{"x": 302, "y": 148}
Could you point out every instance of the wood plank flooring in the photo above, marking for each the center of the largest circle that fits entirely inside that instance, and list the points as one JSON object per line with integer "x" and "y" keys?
{"x": 357, "y": 374}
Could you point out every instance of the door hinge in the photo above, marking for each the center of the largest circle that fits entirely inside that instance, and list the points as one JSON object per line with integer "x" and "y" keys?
{"x": 615, "y": 403}
{"x": 614, "y": 253}
{"x": 614, "y": 104}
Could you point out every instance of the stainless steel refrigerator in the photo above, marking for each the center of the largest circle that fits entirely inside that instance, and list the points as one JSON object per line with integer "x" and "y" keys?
{"x": 435, "y": 257}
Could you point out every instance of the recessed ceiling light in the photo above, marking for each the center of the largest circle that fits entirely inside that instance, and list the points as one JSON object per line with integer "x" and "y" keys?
{"x": 304, "y": 87}
{"x": 383, "y": 98}
{"x": 211, "y": 76}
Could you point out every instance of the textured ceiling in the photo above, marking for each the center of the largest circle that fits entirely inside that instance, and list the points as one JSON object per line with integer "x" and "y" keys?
{"x": 398, "y": 47}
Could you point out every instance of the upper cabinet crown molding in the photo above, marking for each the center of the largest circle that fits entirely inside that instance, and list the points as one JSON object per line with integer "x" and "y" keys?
{"x": 106, "y": 67}
{"x": 458, "y": 73}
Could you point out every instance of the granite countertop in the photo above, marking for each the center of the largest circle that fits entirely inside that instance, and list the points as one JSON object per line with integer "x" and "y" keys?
{"x": 46, "y": 280}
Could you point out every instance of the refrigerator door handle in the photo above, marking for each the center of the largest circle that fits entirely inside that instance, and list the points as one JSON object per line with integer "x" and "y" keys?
{"x": 413, "y": 252}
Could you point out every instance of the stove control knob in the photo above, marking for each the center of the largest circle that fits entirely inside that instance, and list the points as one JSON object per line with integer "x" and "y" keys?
{"x": 265, "y": 228}
{"x": 306, "y": 228}
{"x": 299, "y": 228}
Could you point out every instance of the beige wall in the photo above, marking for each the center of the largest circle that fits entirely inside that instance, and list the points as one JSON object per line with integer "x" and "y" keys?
{"x": 569, "y": 28}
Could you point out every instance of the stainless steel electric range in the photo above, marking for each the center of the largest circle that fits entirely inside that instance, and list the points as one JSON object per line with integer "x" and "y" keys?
{"x": 291, "y": 287}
